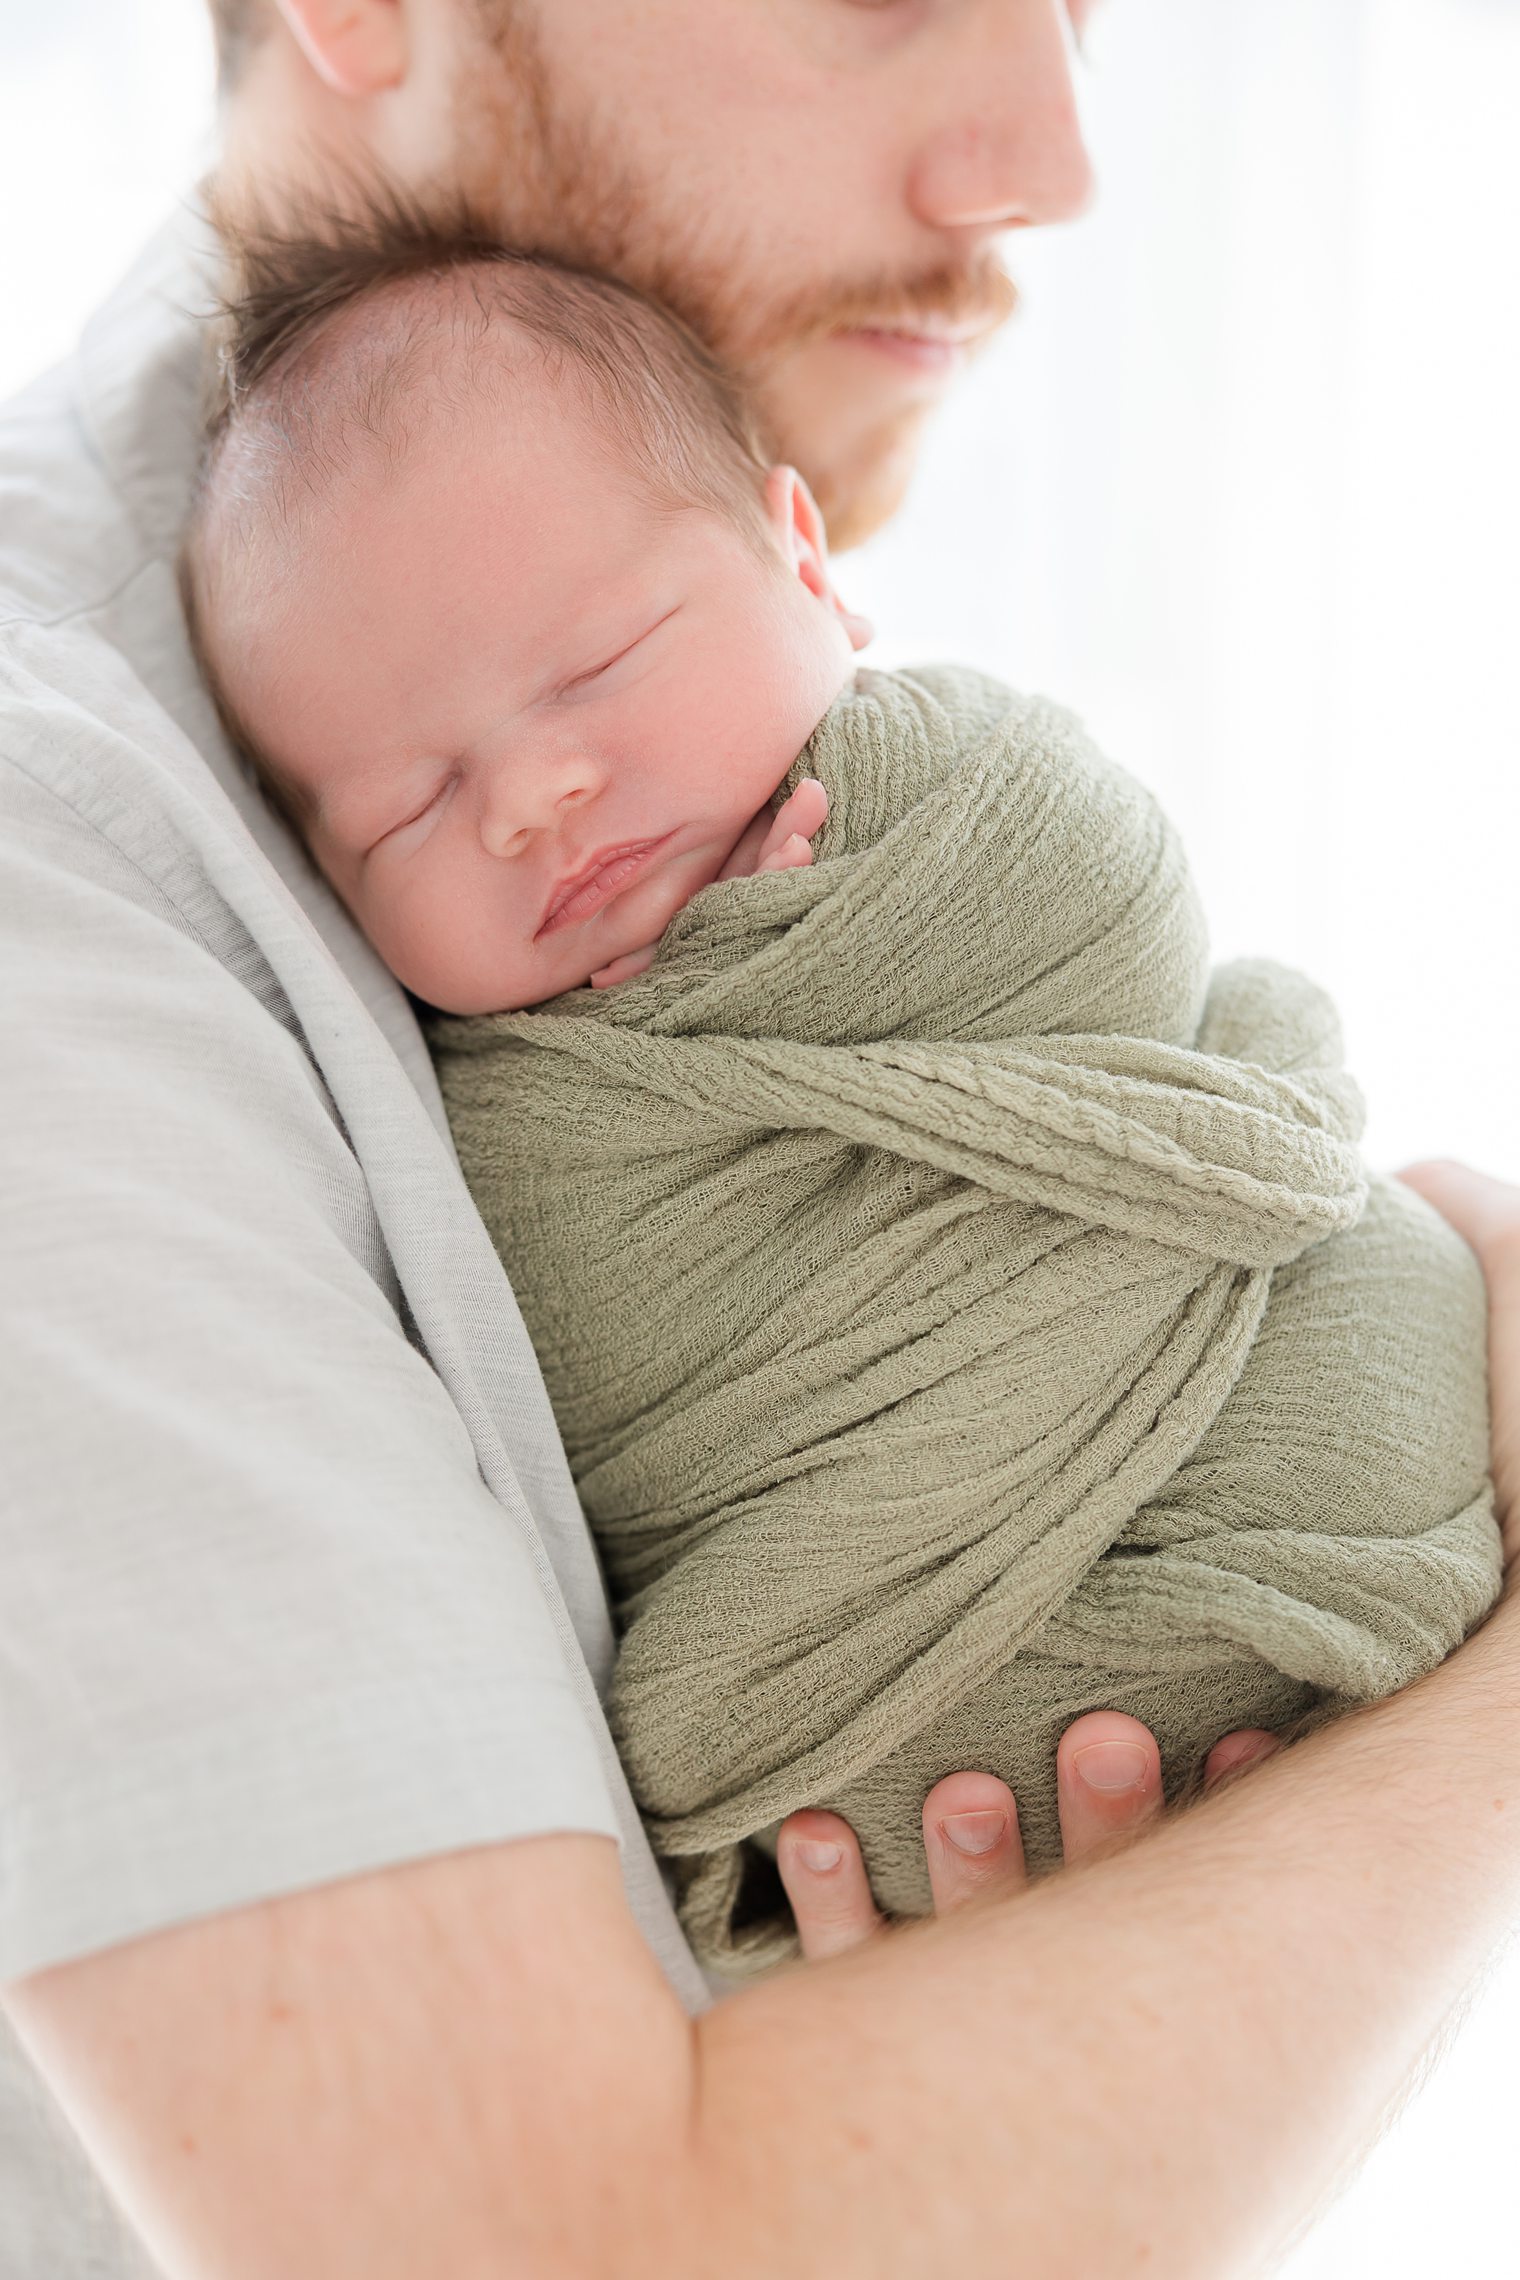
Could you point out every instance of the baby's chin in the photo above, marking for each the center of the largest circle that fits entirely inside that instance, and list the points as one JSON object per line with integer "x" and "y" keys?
{"x": 469, "y": 996}
{"x": 464, "y": 992}
{"x": 634, "y": 922}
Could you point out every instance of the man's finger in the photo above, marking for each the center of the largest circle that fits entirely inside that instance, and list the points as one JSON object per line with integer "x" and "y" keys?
{"x": 971, "y": 1840}
{"x": 826, "y": 1883}
{"x": 1485, "y": 1212}
{"x": 1237, "y": 1753}
{"x": 1108, "y": 1775}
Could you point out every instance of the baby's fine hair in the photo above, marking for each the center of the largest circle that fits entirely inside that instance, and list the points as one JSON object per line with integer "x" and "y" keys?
{"x": 343, "y": 343}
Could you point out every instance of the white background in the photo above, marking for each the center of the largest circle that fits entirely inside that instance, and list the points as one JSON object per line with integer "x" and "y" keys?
{"x": 1243, "y": 487}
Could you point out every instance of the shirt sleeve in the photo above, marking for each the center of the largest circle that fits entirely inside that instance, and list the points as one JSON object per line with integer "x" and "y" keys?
{"x": 262, "y": 1625}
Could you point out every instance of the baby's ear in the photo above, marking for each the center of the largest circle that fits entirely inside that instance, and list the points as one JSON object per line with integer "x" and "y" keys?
{"x": 798, "y": 525}
{"x": 355, "y": 47}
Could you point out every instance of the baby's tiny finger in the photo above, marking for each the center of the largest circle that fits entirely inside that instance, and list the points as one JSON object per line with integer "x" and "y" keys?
{"x": 807, "y": 810}
{"x": 803, "y": 813}
{"x": 793, "y": 854}
{"x": 623, "y": 969}
{"x": 826, "y": 1883}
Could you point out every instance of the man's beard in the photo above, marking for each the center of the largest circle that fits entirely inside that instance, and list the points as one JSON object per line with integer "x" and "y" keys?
{"x": 554, "y": 182}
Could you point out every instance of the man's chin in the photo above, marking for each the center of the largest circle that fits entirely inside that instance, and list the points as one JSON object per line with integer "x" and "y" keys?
{"x": 857, "y": 499}
{"x": 851, "y": 424}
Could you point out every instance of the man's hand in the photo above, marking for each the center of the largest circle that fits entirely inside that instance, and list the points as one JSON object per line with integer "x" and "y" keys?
{"x": 1486, "y": 1214}
{"x": 1108, "y": 1772}
{"x": 771, "y": 843}
{"x": 1108, "y": 1767}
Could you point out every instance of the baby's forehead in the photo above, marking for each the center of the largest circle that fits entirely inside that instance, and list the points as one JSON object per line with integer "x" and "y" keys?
{"x": 344, "y": 385}
{"x": 384, "y": 382}
{"x": 393, "y": 406}
{"x": 421, "y": 383}
{"x": 346, "y": 354}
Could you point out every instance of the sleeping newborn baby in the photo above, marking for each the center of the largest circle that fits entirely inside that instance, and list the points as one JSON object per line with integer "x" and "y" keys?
{"x": 962, "y": 1309}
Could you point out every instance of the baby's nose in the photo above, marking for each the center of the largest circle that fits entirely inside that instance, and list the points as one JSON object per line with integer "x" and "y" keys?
{"x": 514, "y": 813}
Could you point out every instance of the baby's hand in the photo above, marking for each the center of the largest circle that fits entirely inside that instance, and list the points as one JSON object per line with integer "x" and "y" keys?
{"x": 782, "y": 845}
{"x": 623, "y": 969}
{"x": 778, "y": 845}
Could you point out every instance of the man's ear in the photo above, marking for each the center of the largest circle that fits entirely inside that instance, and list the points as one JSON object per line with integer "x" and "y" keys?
{"x": 798, "y": 525}
{"x": 355, "y": 47}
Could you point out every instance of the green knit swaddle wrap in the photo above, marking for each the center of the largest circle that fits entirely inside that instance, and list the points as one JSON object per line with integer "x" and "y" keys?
{"x": 963, "y": 1311}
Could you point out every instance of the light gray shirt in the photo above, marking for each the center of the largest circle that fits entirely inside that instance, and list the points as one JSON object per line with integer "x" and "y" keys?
{"x": 293, "y": 1579}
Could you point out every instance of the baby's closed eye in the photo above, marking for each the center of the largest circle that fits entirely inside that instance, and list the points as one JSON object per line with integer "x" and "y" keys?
{"x": 434, "y": 801}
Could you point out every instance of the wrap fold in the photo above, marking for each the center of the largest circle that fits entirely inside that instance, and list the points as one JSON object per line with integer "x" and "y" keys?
{"x": 962, "y": 1311}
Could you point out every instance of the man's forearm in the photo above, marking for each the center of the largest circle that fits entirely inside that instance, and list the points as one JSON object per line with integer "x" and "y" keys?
{"x": 1158, "y": 2063}
{"x": 471, "y": 2068}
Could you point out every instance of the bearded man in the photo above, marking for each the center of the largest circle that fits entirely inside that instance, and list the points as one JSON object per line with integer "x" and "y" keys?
{"x": 324, "y": 1910}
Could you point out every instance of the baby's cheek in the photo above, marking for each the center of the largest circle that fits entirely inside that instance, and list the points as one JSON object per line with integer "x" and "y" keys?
{"x": 436, "y": 945}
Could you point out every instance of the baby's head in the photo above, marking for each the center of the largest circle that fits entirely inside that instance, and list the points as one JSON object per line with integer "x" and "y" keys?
{"x": 495, "y": 590}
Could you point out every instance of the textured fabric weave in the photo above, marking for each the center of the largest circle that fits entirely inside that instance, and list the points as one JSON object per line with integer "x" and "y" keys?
{"x": 962, "y": 1311}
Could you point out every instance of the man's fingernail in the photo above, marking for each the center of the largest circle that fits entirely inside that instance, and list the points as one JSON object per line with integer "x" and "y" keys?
{"x": 1109, "y": 1767}
{"x": 975, "y": 1832}
{"x": 819, "y": 1857}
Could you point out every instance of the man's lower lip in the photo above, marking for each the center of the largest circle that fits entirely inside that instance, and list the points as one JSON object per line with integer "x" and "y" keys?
{"x": 616, "y": 874}
{"x": 920, "y": 352}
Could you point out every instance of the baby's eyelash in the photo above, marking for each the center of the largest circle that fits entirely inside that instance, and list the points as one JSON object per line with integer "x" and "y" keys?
{"x": 595, "y": 671}
{"x": 418, "y": 813}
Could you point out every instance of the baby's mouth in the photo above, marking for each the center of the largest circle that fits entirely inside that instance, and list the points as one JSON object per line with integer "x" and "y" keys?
{"x": 593, "y": 886}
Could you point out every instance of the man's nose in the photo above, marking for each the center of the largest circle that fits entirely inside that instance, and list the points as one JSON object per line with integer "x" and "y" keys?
{"x": 1009, "y": 150}
{"x": 519, "y": 800}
